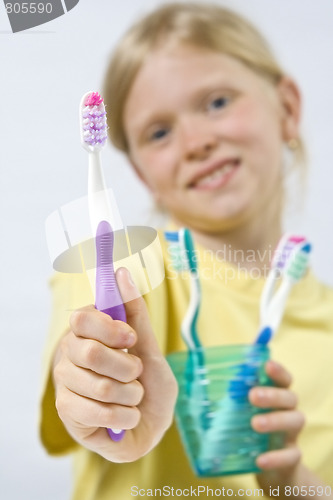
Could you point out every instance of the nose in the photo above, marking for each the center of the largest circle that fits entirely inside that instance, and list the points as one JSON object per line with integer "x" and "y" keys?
{"x": 198, "y": 140}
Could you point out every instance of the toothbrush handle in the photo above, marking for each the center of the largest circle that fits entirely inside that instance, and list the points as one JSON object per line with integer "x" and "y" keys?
{"x": 107, "y": 291}
{"x": 116, "y": 312}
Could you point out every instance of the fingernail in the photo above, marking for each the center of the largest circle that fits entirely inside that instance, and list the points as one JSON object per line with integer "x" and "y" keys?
{"x": 260, "y": 393}
{"x": 127, "y": 334}
{"x": 130, "y": 337}
{"x": 262, "y": 461}
{"x": 274, "y": 364}
{"x": 129, "y": 277}
{"x": 261, "y": 421}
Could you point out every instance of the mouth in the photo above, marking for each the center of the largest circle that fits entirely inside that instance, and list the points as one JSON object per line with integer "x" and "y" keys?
{"x": 215, "y": 175}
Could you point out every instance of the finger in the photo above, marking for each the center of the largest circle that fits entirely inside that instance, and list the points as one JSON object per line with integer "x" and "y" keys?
{"x": 279, "y": 459}
{"x": 280, "y": 376}
{"x": 290, "y": 422}
{"x": 112, "y": 363}
{"x": 157, "y": 379}
{"x": 93, "y": 386}
{"x": 137, "y": 316}
{"x": 84, "y": 412}
{"x": 90, "y": 323}
{"x": 273, "y": 397}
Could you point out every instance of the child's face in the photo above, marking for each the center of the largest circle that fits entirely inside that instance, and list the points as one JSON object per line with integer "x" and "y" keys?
{"x": 205, "y": 134}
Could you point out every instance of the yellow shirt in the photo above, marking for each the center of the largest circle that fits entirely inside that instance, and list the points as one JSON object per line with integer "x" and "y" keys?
{"x": 228, "y": 314}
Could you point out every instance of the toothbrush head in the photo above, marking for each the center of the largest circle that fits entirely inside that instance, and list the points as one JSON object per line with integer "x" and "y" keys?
{"x": 181, "y": 249}
{"x": 283, "y": 251}
{"x": 93, "y": 126}
{"x": 175, "y": 250}
{"x": 189, "y": 250}
{"x": 299, "y": 262}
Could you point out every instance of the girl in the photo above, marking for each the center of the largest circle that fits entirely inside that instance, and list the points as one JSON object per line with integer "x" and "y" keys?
{"x": 204, "y": 112}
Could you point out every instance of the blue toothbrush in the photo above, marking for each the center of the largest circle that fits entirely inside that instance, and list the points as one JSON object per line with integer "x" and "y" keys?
{"x": 292, "y": 269}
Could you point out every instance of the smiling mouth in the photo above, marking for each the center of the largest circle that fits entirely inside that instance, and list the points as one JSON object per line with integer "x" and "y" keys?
{"x": 217, "y": 177}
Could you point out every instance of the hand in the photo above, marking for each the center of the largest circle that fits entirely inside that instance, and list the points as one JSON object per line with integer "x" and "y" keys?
{"x": 98, "y": 385}
{"x": 280, "y": 467}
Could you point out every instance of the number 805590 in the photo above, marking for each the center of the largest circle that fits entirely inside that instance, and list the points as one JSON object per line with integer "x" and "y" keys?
{"x": 28, "y": 8}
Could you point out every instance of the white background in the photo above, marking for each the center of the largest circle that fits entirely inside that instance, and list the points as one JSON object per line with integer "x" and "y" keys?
{"x": 44, "y": 72}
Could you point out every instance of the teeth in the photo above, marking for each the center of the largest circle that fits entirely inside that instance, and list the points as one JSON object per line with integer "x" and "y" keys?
{"x": 220, "y": 172}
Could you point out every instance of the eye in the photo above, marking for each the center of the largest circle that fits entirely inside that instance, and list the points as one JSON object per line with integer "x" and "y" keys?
{"x": 159, "y": 134}
{"x": 217, "y": 103}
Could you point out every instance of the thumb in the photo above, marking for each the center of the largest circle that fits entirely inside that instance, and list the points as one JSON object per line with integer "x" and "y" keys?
{"x": 137, "y": 315}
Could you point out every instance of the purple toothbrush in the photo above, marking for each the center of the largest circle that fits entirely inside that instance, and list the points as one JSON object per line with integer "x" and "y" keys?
{"x": 108, "y": 298}
{"x": 93, "y": 128}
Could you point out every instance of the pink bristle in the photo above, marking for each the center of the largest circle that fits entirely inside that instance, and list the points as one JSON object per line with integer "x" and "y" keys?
{"x": 282, "y": 254}
{"x": 297, "y": 239}
{"x": 94, "y": 126}
{"x": 93, "y": 99}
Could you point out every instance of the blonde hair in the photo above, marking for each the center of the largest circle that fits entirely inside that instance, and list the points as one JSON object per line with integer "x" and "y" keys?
{"x": 203, "y": 25}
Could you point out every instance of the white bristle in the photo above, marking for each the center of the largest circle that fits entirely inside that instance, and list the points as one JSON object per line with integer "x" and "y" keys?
{"x": 93, "y": 126}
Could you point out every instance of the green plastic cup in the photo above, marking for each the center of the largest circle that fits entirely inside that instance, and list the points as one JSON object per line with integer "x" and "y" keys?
{"x": 213, "y": 413}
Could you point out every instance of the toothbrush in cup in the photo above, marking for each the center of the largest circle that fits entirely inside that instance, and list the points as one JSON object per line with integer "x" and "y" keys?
{"x": 290, "y": 261}
{"x": 183, "y": 257}
{"x": 294, "y": 270}
{"x": 280, "y": 257}
{"x": 93, "y": 129}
